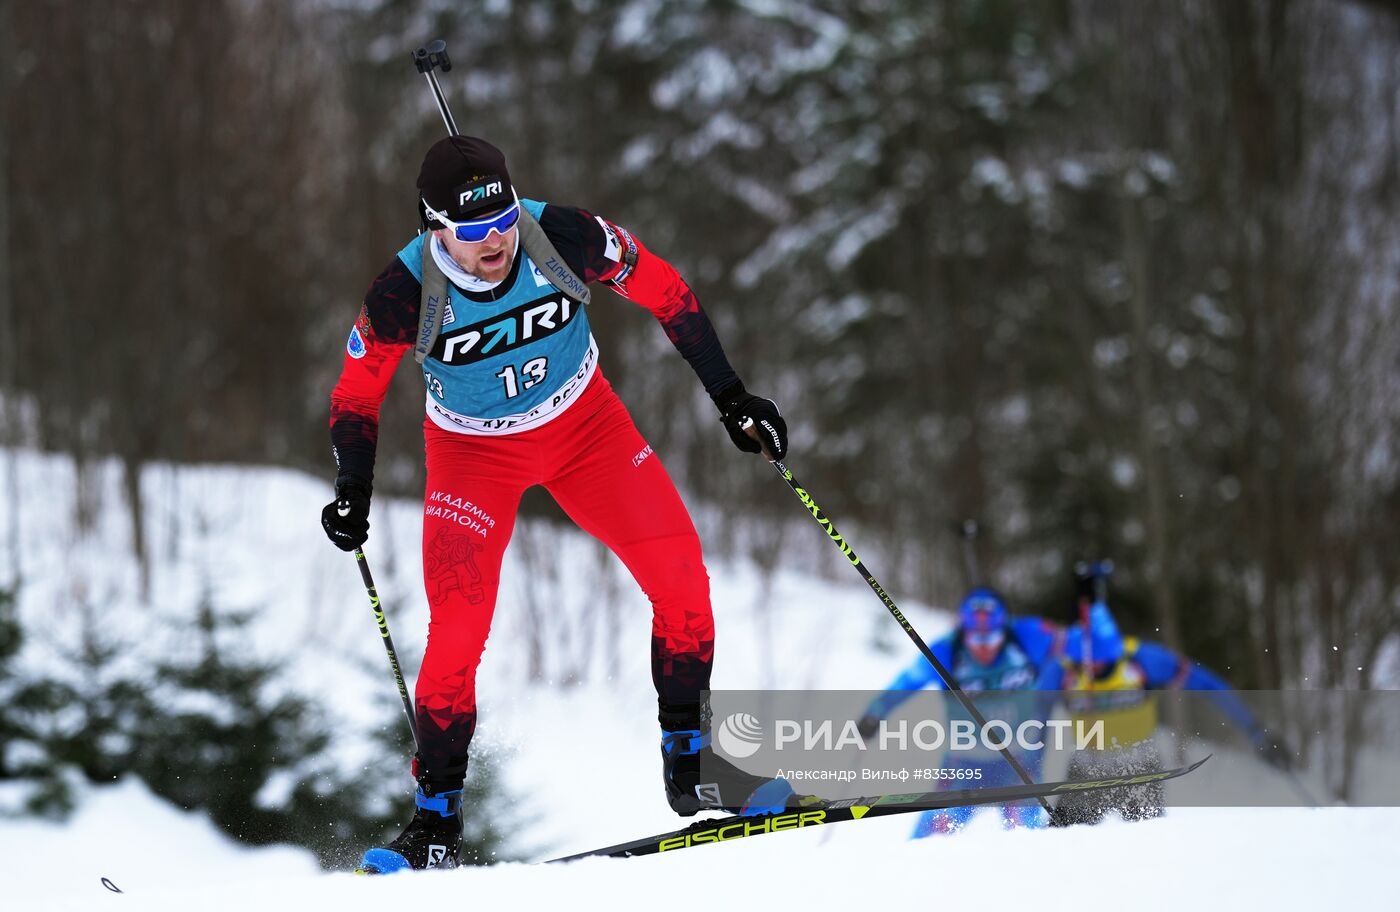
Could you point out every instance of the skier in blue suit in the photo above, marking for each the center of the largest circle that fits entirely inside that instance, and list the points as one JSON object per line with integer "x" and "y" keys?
{"x": 989, "y": 651}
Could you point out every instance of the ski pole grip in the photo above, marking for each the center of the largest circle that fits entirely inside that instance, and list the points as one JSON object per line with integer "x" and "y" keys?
{"x": 748, "y": 428}
{"x": 1100, "y": 569}
{"x": 431, "y": 55}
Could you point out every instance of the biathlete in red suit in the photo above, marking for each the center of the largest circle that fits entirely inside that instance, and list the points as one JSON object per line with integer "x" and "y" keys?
{"x": 515, "y": 398}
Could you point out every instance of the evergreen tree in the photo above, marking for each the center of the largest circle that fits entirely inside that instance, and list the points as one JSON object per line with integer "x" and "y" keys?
{"x": 27, "y": 704}
{"x": 208, "y": 729}
{"x": 229, "y": 740}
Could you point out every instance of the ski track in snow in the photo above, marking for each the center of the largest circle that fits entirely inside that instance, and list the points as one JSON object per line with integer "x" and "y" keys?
{"x": 268, "y": 552}
{"x": 1233, "y": 859}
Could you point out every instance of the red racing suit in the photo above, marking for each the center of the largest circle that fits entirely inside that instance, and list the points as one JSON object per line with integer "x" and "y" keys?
{"x": 590, "y": 457}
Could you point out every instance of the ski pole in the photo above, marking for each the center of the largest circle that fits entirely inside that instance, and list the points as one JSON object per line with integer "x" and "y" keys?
{"x": 427, "y": 59}
{"x": 1093, "y": 589}
{"x": 947, "y": 676}
{"x": 967, "y": 529}
{"x": 1303, "y": 790}
{"x": 388, "y": 642}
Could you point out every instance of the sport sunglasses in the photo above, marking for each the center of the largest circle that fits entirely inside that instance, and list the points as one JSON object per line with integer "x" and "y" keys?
{"x": 983, "y": 637}
{"x": 478, "y": 230}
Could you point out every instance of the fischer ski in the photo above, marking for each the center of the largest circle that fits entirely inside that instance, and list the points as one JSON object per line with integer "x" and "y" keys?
{"x": 819, "y": 812}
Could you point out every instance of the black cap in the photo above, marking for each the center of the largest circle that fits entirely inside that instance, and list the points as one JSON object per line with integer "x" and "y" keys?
{"x": 465, "y": 177}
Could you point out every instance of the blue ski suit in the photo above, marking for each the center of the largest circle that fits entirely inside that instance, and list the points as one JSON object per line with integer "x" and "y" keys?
{"x": 1028, "y": 660}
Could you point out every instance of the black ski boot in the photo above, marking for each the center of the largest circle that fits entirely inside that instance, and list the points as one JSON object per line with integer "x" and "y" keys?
{"x": 430, "y": 840}
{"x": 699, "y": 779}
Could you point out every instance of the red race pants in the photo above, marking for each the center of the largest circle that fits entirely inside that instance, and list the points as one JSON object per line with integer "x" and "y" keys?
{"x": 596, "y": 465}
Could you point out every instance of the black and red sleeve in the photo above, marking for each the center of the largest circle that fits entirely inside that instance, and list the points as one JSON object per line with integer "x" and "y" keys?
{"x": 600, "y": 251}
{"x": 383, "y": 331}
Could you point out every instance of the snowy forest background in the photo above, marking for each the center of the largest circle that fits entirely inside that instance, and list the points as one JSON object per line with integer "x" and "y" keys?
{"x": 1119, "y": 280}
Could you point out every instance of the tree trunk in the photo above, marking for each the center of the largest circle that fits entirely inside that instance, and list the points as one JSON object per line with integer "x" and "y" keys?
{"x": 1149, "y": 453}
{"x": 9, "y": 392}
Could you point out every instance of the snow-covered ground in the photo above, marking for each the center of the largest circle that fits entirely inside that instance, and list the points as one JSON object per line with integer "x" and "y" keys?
{"x": 1334, "y": 858}
{"x": 250, "y": 538}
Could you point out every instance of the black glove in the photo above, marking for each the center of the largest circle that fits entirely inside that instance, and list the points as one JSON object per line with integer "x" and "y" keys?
{"x": 348, "y": 530}
{"x": 737, "y": 406}
{"x": 868, "y": 726}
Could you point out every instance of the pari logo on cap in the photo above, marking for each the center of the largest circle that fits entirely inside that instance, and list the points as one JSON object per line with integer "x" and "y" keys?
{"x": 480, "y": 194}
